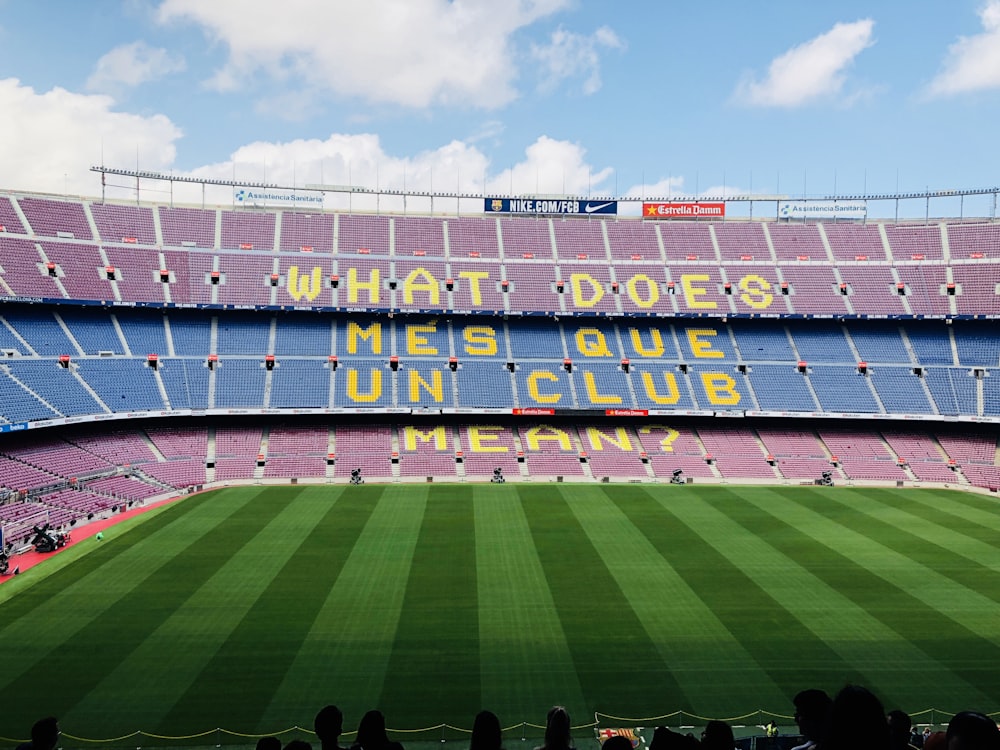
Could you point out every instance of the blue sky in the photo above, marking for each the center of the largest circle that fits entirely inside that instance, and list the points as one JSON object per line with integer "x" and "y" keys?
{"x": 554, "y": 96}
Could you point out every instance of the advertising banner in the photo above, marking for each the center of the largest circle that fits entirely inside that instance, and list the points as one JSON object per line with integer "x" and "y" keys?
{"x": 263, "y": 197}
{"x": 823, "y": 210}
{"x": 684, "y": 210}
{"x": 548, "y": 207}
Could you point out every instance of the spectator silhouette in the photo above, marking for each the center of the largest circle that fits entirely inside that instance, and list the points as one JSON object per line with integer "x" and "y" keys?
{"x": 857, "y": 721}
{"x": 44, "y": 735}
{"x": 665, "y": 739}
{"x": 900, "y": 726}
{"x": 268, "y": 743}
{"x": 328, "y": 725}
{"x": 298, "y": 745}
{"x": 936, "y": 741}
{"x": 372, "y": 734}
{"x": 718, "y": 735}
{"x": 812, "y": 711}
{"x": 971, "y": 730}
{"x": 617, "y": 743}
{"x": 557, "y": 730}
{"x": 486, "y": 732}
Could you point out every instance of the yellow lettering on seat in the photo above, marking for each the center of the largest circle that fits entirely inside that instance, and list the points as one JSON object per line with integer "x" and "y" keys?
{"x": 355, "y": 332}
{"x": 485, "y": 434}
{"x": 576, "y": 282}
{"x": 598, "y": 398}
{"x": 374, "y": 391}
{"x": 480, "y": 341}
{"x": 308, "y": 286}
{"x": 672, "y": 396}
{"x": 620, "y": 440}
{"x": 667, "y": 441}
{"x": 413, "y": 283}
{"x": 411, "y": 434}
{"x": 416, "y": 344}
{"x": 474, "y": 278}
{"x": 534, "y": 436}
{"x": 701, "y": 348}
{"x": 692, "y": 292}
{"x": 720, "y": 389}
{"x": 536, "y": 394}
{"x": 756, "y": 292}
{"x": 652, "y": 295}
{"x": 590, "y": 342}
{"x": 435, "y": 388}
{"x": 354, "y": 286}
{"x": 655, "y": 351}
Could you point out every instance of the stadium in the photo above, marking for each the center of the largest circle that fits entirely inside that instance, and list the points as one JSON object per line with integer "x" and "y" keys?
{"x": 448, "y": 362}
{"x": 687, "y": 384}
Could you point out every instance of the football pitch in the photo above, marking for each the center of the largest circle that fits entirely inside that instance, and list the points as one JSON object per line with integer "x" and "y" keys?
{"x": 249, "y": 608}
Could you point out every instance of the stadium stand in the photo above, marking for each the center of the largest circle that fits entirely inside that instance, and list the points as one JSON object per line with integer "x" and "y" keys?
{"x": 427, "y": 452}
{"x": 633, "y": 241}
{"x": 473, "y": 238}
{"x": 125, "y": 224}
{"x": 497, "y": 333}
{"x": 363, "y": 235}
{"x": 9, "y": 220}
{"x": 187, "y": 227}
{"x": 580, "y": 240}
{"x": 246, "y": 230}
{"x": 486, "y": 447}
{"x": 307, "y": 233}
{"x": 527, "y": 238}
{"x": 56, "y": 218}
{"x": 850, "y": 242}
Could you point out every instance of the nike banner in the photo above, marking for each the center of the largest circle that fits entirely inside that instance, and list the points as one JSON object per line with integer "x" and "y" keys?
{"x": 549, "y": 206}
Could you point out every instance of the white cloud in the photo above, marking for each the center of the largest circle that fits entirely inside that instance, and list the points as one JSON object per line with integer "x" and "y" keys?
{"x": 133, "y": 64}
{"x": 973, "y": 62}
{"x": 409, "y": 52}
{"x": 549, "y": 166}
{"x": 571, "y": 55}
{"x": 663, "y": 188}
{"x": 49, "y": 141}
{"x": 489, "y": 130}
{"x": 810, "y": 71}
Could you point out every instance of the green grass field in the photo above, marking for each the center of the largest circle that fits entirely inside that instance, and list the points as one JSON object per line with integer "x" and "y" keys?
{"x": 248, "y": 608}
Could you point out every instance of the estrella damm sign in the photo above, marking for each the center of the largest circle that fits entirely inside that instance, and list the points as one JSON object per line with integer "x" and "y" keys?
{"x": 684, "y": 210}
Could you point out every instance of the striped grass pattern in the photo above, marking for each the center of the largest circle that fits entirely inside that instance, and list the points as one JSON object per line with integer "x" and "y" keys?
{"x": 248, "y": 608}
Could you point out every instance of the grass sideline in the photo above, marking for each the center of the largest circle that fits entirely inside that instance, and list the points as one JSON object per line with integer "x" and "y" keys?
{"x": 248, "y": 608}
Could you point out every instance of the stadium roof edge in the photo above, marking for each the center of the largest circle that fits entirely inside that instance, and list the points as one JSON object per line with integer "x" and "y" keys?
{"x": 451, "y": 213}
{"x": 764, "y": 198}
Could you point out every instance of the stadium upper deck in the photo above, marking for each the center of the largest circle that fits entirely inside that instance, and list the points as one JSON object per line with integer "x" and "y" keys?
{"x": 118, "y": 362}
{"x": 81, "y": 251}
{"x": 65, "y": 362}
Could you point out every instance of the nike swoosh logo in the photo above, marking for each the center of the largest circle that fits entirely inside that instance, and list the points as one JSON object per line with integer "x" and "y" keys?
{"x": 590, "y": 208}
